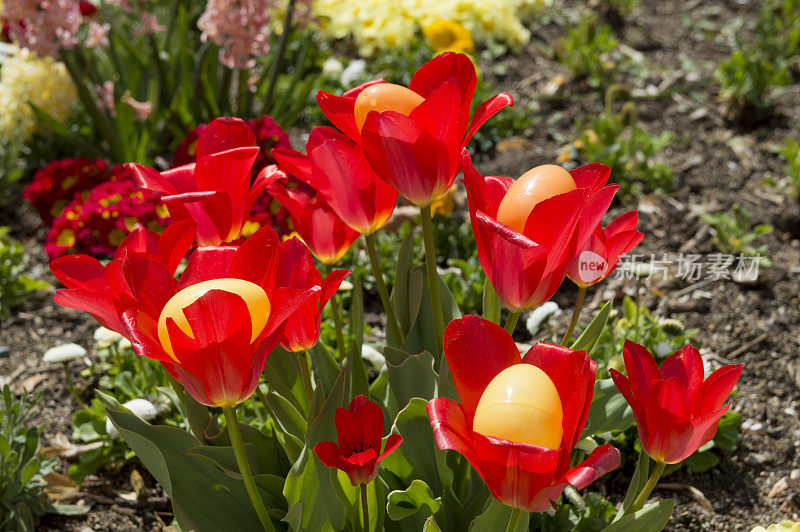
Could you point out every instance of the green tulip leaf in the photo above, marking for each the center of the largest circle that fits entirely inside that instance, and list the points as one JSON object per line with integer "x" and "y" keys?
{"x": 496, "y": 517}
{"x": 609, "y": 409}
{"x": 409, "y": 376}
{"x": 491, "y": 303}
{"x": 203, "y": 497}
{"x": 591, "y": 333}
{"x": 651, "y": 518}
{"x": 417, "y": 497}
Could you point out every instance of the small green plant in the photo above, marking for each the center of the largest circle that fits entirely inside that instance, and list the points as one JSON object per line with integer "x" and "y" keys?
{"x": 13, "y": 285}
{"x": 517, "y": 120}
{"x": 790, "y": 152}
{"x": 589, "y": 51}
{"x": 734, "y": 234}
{"x": 616, "y": 139}
{"x": 778, "y": 29}
{"x": 22, "y": 501}
{"x": 123, "y": 375}
{"x": 661, "y": 336}
{"x": 747, "y": 80}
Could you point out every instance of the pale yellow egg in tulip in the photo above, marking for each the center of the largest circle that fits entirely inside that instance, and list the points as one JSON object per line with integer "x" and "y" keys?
{"x": 254, "y": 296}
{"x": 535, "y": 185}
{"x": 384, "y": 97}
{"x": 521, "y": 404}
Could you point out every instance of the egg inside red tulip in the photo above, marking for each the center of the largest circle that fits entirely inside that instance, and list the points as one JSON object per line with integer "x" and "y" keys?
{"x": 535, "y": 185}
{"x": 253, "y": 295}
{"x": 521, "y": 404}
{"x": 385, "y": 97}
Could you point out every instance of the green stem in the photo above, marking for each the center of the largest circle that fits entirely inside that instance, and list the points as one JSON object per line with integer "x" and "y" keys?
{"x": 391, "y": 318}
{"x": 648, "y": 488}
{"x": 513, "y": 521}
{"x": 576, "y": 313}
{"x": 276, "y": 67}
{"x": 364, "y": 506}
{"x": 511, "y": 321}
{"x": 244, "y": 468}
{"x": 337, "y": 319}
{"x": 433, "y": 276}
{"x": 306, "y": 373}
{"x": 71, "y": 386}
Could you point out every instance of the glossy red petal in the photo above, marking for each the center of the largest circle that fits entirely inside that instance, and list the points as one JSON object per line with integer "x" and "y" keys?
{"x": 175, "y": 242}
{"x": 151, "y": 179}
{"x": 451, "y": 429}
{"x": 641, "y": 368}
{"x": 405, "y": 155}
{"x": 603, "y": 459}
{"x": 624, "y": 222}
{"x": 392, "y": 443}
{"x": 223, "y": 134}
{"x": 686, "y": 368}
{"x": 484, "y": 193}
{"x": 328, "y": 453}
{"x": 717, "y": 388}
{"x": 100, "y": 305}
{"x": 476, "y": 351}
{"x": 487, "y": 109}
{"x": 142, "y": 331}
{"x": 80, "y": 271}
{"x": 339, "y": 109}
{"x": 256, "y": 259}
{"x": 593, "y": 176}
{"x": 442, "y": 69}
{"x": 349, "y": 432}
{"x": 208, "y": 262}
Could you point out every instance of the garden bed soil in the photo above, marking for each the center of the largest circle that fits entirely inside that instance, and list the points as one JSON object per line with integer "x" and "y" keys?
{"x": 752, "y": 324}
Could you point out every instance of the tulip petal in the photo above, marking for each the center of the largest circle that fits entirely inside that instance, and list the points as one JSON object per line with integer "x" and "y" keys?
{"x": 151, "y": 179}
{"x": 142, "y": 331}
{"x": 591, "y": 176}
{"x": 451, "y": 429}
{"x": 206, "y": 263}
{"x": 487, "y": 109}
{"x": 440, "y": 70}
{"x": 686, "y": 367}
{"x": 80, "y": 271}
{"x": 223, "y": 134}
{"x": 718, "y": 387}
{"x": 484, "y": 193}
{"x": 641, "y": 368}
{"x": 392, "y": 443}
{"x": 100, "y": 305}
{"x": 339, "y": 109}
{"x": 328, "y": 453}
{"x": 255, "y": 259}
{"x": 175, "y": 242}
{"x": 477, "y": 350}
{"x": 603, "y": 459}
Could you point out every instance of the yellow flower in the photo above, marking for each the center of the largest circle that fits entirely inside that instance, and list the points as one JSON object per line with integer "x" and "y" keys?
{"x": 448, "y": 36}
{"x": 26, "y": 78}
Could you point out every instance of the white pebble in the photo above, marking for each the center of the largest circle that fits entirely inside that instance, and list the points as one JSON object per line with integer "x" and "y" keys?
{"x": 373, "y": 357}
{"x": 539, "y": 316}
{"x": 138, "y": 407}
{"x": 64, "y": 353}
{"x": 106, "y": 335}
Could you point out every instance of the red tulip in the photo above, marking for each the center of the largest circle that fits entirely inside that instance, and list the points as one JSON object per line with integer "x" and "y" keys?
{"x": 413, "y": 137}
{"x": 676, "y": 411}
{"x": 144, "y": 259}
{"x": 215, "y": 191}
{"x": 325, "y": 234}
{"x": 603, "y": 250}
{"x": 360, "y": 431}
{"x": 336, "y": 168}
{"x": 296, "y": 271}
{"x": 527, "y": 267}
{"x": 522, "y": 475}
